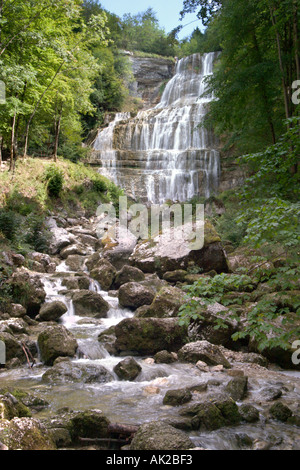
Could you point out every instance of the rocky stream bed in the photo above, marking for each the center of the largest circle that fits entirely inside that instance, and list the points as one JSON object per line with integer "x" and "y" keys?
{"x": 100, "y": 321}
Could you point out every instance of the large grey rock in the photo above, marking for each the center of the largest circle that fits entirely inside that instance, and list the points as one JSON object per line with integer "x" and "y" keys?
{"x": 203, "y": 351}
{"x": 60, "y": 238}
{"x": 51, "y": 311}
{"x": 25, "y": 434}
{"x": 128, "y": 274}
{"x": 56, "y": 341}
{"x": 28, "y": 290}
{"x": 147, "y": 336}
{"x": 128, "y": 369}
{"x": 166, "y": 303}
{"x": 160, "y": 436}
{"x": 104, "y": 273}
{"x": 133, "y": 295}
{"x": 66, "y": 371}
{"x": 90, "y": 304}
{"x": 171, "y": 251}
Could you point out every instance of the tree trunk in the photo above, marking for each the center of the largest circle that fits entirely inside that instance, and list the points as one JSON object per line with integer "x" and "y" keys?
{"x": 296, "y": 39}
{"x": 57, "y": 132}
{"x": 283, "y": 80}
{"x": 12, "y": 145}
{"x": 26, "y": 140}
{"x": 1, "y": 143}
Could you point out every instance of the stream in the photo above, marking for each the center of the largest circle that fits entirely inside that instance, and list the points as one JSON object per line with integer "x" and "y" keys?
{"x": 141, "y": 400}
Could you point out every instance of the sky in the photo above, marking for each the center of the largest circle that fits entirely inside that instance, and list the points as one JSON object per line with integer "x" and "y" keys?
{"x": 167, "y": 13}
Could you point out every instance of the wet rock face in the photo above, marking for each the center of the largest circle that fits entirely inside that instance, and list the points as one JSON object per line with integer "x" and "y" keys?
{"x": 160, "y": 436}
{"x": 150, "y": 73}
{"x": 54, "y": 342}
{"x": 147, "y": 336}
{"x": 237, "y": 388}
{"x": 177, "y": 397}
{"x": 91, "y": 304}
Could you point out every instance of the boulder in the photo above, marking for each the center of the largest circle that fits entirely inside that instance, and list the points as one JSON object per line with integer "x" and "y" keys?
{"x": 166, "y": 303}
{"x": 213, "y": 412}
{"x": 68, "y": 372}
{"x": 17, "y": 310}
{"x": 25, "y": 434}
{"x": 56, "y": 341}
{"x": 237, "y": 388}
{"x": 51, "y": 311}
{"x": 280, "y": 412}
{"x": 203, "y": 351}
{"x": 160, "y": 436}
{"x": 12, "y": 408}
{"x": 104, "y": 273}
{"x": 249, "y": 413}
{"x": 161, "y": 254}
{"x": 165, "y": 357}
{"x": 90, "y": 304}
{"x": 177, "y": 397}
{"x": 128, "y": 369}
{"x": 75, "y": 262}
{"x": 147, "y": 336}
{"x": 60, "y": 238}
{"x": 90, "y": 424}
{"x": 175, "y": 276}
{"x": 28, "y": 290}
{"x": 128, "y": 274}
{"x": 13, "y": 348}
{"x": 133, "y": 295}
{"x": 75, "y": 249}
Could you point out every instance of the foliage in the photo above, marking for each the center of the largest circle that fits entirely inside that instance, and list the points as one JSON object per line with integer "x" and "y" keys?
{"x": 264, "y": 322}
{"x": 55, "y": 179}
{"x": 9, "y": 224}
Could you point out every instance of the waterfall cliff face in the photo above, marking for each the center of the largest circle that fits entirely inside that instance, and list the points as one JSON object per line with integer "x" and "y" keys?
{"x": 164, "y": 153}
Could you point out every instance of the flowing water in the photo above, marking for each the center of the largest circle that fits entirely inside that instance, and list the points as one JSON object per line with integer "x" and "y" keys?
{"x": 165, "y": 153}
{"x": 142, "y": 400}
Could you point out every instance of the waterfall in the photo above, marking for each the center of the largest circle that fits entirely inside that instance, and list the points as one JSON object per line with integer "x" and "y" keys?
{"x": 165, "y": 153}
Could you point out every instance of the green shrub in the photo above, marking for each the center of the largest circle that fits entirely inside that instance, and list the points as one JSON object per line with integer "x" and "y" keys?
{"x": 54, "y": 177}
{"x": 9, "y": 224}
{"x": 99, "y": 185}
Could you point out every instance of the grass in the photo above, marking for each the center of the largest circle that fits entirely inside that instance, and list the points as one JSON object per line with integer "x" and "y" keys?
{"x": 25, "y": 201}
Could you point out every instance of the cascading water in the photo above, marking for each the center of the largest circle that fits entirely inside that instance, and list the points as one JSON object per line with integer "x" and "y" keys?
{"x": 165, "y": 153}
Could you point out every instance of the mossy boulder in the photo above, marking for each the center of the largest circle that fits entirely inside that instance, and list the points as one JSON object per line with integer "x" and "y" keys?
{"x": 160, "y": 436}
{"x": 166, "y": 303}
{"x": 25, "y": 434}
{"x": 133, "y": 295}
{"x": 28, "y": 290}
{"x": 104, "y": 273}
{"x": 237, "y": 388}
{"x": 128, "y": 274}
{"x": 89, "y": 424}
{"x": 90, "y": 304}
{"x": 177, "y": 397}
{"x": 68, "y": 372}
{"x": 51, "y": 311}
{"x": 160, "y": 254}
{"x": 280, "y": 411}
{"x": 128, "y": 369}
{"x": 11, "y": 407}
{"x": 249, "y": 413}
{"x": 54, "y": 342}
{"x": 203, "y": 351}
{"x": 147, "y": 336}
{"x": 213, "y": 412}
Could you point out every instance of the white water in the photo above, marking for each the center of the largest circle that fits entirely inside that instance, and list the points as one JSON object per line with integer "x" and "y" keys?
{"x": 176, "y": 156}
